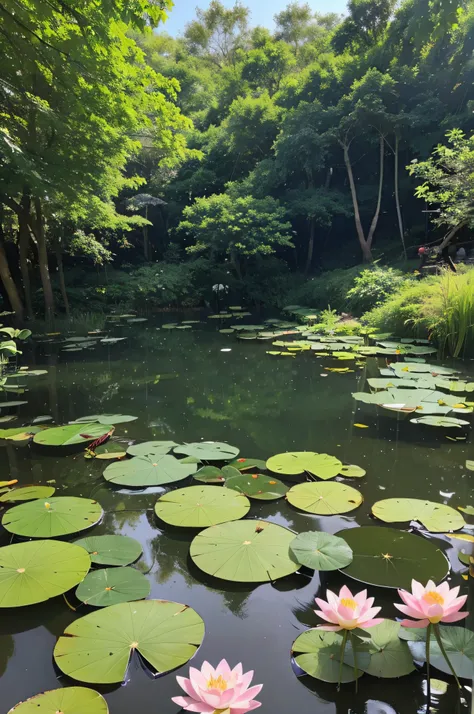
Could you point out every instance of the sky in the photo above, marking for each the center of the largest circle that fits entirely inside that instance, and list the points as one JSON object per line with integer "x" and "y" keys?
{"x": 262, "y": 11}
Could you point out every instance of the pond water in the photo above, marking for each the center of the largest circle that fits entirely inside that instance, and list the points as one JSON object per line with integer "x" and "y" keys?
{"x": 182, "y": 386}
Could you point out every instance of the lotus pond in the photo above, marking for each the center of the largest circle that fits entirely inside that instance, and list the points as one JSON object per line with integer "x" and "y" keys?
{"x": 222, "y": 527}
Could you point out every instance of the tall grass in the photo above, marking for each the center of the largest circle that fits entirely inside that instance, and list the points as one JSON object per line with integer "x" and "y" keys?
{"x": 79, "y": 322}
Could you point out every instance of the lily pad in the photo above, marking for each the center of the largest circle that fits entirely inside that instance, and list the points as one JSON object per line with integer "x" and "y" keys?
{"x": 111, "y": 549}
{"x": 27, "y": 493}
{"x": 352, "y": 471}
{"x": 107, "y": 419}
{"x": 391, "y": 558}
{"x": 19, "y": 433}
{"x": 97, "y": 648}
{"x": 458, "y": 643}
{"x": 245, "y": 551}
{"x": 470, "y": 465}
{"x": 297, "y": 462}
{"x": 148, "y": 448}
{"x": 5, "y": 405}
{"x": 208, "y": 451}
{"x": 110, "y": 586}
{"x": 324, "y": 499}
{"x": 38, "y": 570}
{"x": 404, "y": 369}
{"x": 69, "y": 700}
{"x": 59, "y": 516}
{"x": 321, "y": 551}
{"x": 410, "y": 400}
{"x": 390, "y": 656}
{"x": 209, "y": 474}
{"x": 245, "y": 464}
{"x": 435, "y": 517}
{"x": 71, "y": 434}
{"x": 110, "y": 451}
{"x": 441, "y": 421}
{"x": 141, "y": 472}
{"x": 258, "y": 486}
{"x": 201, "y": 506}
{"x": 318, "y": 653}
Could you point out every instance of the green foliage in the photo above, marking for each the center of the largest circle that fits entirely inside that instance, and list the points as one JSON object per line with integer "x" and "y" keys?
{"x": 372, "y": 287}
{"x": 329, "y": 288}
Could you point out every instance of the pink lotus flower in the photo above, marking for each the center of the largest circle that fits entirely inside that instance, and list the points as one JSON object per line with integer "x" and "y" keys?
{"x": 347, "y": 611}
{"x": 211, "y": 691}
{"x": 431, "y": 604}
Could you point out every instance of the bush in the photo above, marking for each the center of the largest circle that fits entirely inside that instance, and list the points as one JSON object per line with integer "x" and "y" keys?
{"x": 372, "y": 287}
{"x": 400, "y": 313}
{"x": 329, "y": 288}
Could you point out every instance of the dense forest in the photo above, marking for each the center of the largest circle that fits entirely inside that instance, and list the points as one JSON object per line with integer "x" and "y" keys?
{"x": 138, "y": 169}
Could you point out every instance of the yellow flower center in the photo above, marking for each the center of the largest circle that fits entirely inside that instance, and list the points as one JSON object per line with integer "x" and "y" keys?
{"x": 433, "y": 598}
{"x": 218, "y": 683}
{"x": 347, "y": 602}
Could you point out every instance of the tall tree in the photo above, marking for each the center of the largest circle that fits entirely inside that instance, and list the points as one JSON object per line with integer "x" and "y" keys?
{"x": 218, "y": 33}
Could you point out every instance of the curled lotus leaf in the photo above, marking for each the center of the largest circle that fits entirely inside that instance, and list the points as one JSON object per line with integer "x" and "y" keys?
{"x": 68, "y": 700}
{"x": 435, "y": 517}
{"x": 324, "y": 499}
{"x": 295, "y": 463}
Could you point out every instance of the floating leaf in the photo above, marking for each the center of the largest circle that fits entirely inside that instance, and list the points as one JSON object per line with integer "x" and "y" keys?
{"x": 458, "y": 643}
{"x": 318, "y": 653}
{"x": 201, "y": 506}
{"x": 466, "y": 509}
{"x": 295, "y": 463}
{"x": 5, "y": 405}
{"x": 258, "y": 486}
{"x": 108, "y": 419}
{"x": 208, "y": 451}
{"x": 442, "y": 421}
{"x": 390, "y": 656}
{"x": 435, "y": 517}
{"x": 427, "y": 401}
{"x": 27, "y": 493}
{"x": 110, "y": 586}
{"x": 71, "y": 434}
{"x": 352, "y": 471}
{"x": 321, "y": 551}
{"x": 470, "y": 465}
{"x": 19, "y": 433}
{"x": 244, "y": 464}
{"x": 209, "y": 474}
{"x": 361, "y": 426}
{"x": 59, "y": 516}
{"x": 460, "y": 536}
{"x": 245, "y": 551}
{"x": 391, "y": 558}
{"x": 165, "y": 634}
{"x": 148, "y": 448}
{"x": 142, "y": 472}
{"x": 107, "y": 452}
{"x": 111, "y": 549}
{"x": 38, "y": 570}
{"x": 68, "y": 700}
{"x": 324, "y": 499}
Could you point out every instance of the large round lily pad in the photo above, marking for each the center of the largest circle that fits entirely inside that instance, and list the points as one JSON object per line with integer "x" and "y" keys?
{"x": 318, "y": 654}
{"x": 324, "y": 499}
{"x": 201, "y": 506}
{"x": 27, "y": 493}
{"x": 245, "y": 551}
{"x": 71, "y": 434}
{"x": 97, "y": 648}
{"x": 390, "y": 656}
{"x": 294, "y": 463}
{"x": 141, "y": 472}
{"x": 258, "y": 486}
{"x": 321, "y": 551}
{"x": 149, "y": 448}
{"x": 69, "y": 700}
{"x": 110, "y": 586}
{"x": 38, "y": 570}
{"x": 111, "y": 549}
{"x": 436, "y": 517}
{"x": 208, "y": 451}
{"x": 392, "y": 558}
{"x": 58, "y": 516}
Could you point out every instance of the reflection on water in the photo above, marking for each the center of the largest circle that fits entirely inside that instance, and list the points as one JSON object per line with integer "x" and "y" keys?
{"x": 181, "y": 386}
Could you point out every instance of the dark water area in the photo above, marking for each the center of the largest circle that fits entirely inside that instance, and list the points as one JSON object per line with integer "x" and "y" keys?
{"x": 182, "y": 386}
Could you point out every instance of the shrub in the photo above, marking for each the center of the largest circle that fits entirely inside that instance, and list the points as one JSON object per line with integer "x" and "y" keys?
{"x": 329, "y": 288}
{"x": 372, "y": 287}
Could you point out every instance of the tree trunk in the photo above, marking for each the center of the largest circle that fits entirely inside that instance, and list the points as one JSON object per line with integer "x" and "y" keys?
{"x": 450, "y": 235}
{"x": 397, "y": 196}
{"x": 366, "y": 252}
{"x": 62, "y": 282}
{"x": 236, "y": 265}
{"x": 23, "y": 245}
{"x": 8, "y": 282}
{"x": 38, "y": 229}
{"x": 146, "y": 243}
{"x": 309, "y": 257}
{"x": 375, "y": 219}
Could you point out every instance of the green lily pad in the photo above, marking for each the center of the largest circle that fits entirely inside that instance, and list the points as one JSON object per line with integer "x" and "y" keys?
{"x": 97, "y": 648}
{"x": 140, "y": 472}
{"x": 71, "y": 434}
{"x": 245, "y": 464}
{"x": 404, "y": 369}
{"x": 442, "y": 421}
{"x": 295, "y": 463}
{"x": 38, "y": 570}
{"x": 258, "y": 486}
{"x": 110, "y": 451}
{"x": 352, "y": 471}
{"x": 318, "y": 653}
{"x": 148, "y": 448}
{"x": 391, "y": 558}
{"x": 458, "y": 643}
{"x": 435, "y": 517}
{"x": 110, "y": 586}
{"x": 427, "y": 401}
{"x": 19, "y": 433}
{"x": 208, "y": 451}
{"x": 108, "y": 419}
{"x": 6, "y": 405}
{"x": 27, "y": 493}
{"x": 69, "y": 700}
{"x": 111, "y": 549}
{"x": 245, "y": 551}
{"x": 470, "y": 465}
{"x": 324, "y": 499}
{"x": 321, "y": 551}
{"x": 209, "y": 474}
{"x": 201, "y": 506}
{"x": 59, "y": 516}
{"x": 390, "y": 656}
